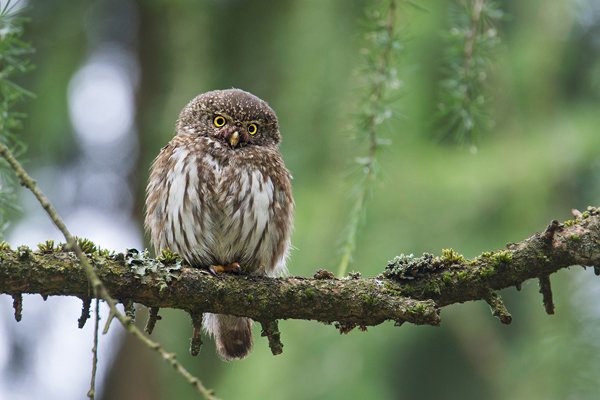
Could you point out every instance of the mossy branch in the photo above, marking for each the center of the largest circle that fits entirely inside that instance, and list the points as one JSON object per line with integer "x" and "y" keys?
{"x": 400, "y": 294}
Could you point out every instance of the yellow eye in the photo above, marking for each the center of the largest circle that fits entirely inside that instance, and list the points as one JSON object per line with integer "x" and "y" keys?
{"x": 252, "y": 129}
{"x": 219, "y": 121}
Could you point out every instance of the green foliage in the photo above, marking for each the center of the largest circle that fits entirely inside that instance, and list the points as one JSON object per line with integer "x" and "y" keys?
{"x": 381, "y": 85}
{"x": 47, "y": 247}
{"x": 105, "y": 253}
{"x": 470, "y": 44}
{"x": 86, "y": 245}
{"x": 12, "y": 65}
{"x": 487, "y": 272}
{"x": 450, "y": 256}
{"x": 168, "y": 257}
{"x": 502, "y": 257}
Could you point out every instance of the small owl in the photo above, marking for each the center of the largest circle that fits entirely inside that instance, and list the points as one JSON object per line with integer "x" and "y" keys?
{"x": 219, "y": 195}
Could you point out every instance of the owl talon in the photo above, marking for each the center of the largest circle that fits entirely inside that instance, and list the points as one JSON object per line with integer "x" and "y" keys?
{"x": 233, "y": 267}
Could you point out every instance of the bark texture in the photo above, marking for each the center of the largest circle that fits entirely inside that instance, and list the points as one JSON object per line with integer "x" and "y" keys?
{"x": 410, "y": 289}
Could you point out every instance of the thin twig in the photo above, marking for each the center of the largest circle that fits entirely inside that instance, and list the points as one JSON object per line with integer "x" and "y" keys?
{"x": 469, "y": 44}
{"x": 97, "y": 285}
{"x": 92, "y": 391}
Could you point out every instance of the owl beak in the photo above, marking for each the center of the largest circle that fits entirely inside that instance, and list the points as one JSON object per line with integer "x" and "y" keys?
{"x": 234, "y": 139}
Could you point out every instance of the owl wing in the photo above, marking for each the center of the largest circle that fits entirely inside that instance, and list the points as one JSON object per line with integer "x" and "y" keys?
{"x": 179, "y": 202}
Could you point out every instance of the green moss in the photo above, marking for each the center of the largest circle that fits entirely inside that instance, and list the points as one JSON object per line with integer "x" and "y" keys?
{"x": 289, "y": 292}
{"x": 569, "y": 222}
{"x": 417, "y": 310}
{"x": 105, "y": 253}
{"x": 120, "y": 258}
{"x": 485, "y": 272}
{"x": 452, "y": 257}
{"x": 168, "y": 257}
{"x": 23, "y": 252}
{"x": 46, "y": 248}
{"x": 462, "y": 276}
{"x": 250, "y": 298}
{"x": 574, "y": 237}
{"x": 447, "y": 277}
{"x": 86, "y": 245}
{"x": 432, "y": 287}
{"x": 309, "y": 294}
{"x": 368, "y": 300}
{"x": 585, "y": 215}
{"x": 408, "y": 290}
{"x": 502, "y": 257}
{"x": 486, "y": 254}
{"x": 4, "y": 246}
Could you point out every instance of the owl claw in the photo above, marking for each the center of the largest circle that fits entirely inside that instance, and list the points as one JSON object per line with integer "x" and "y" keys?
{"x": 233, "y": 267}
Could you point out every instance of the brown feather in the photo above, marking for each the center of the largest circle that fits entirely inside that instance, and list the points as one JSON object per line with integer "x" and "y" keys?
{"x": 216, "y": 204}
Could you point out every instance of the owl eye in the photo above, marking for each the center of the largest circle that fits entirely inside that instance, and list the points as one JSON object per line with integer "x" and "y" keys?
{"x": 219, "y": 121}
{"x": 252, "y": 129}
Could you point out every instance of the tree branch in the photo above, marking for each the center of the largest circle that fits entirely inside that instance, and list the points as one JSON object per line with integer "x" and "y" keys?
{"x": 411, "y": 289}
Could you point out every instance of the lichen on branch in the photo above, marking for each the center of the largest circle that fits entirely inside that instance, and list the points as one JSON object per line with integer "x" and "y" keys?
{"x": 412, "y": 289}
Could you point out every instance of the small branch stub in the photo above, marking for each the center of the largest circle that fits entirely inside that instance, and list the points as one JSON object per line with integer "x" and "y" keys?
{"x": 345, "y": 328}
{"x": 129, "y": 307}
{"x": 270, "y": 329}
{"x": 546, "y": 291}
{"x": 85, "y": 313}
{"x": 498, "y": 309}
{"x": 18, "y": 305}
{"x": 152, "y": 318}
{"x": 548, "y": 234}
{"x": 196, "y": 342}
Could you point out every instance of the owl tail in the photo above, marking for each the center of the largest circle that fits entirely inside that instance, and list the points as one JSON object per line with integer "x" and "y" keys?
{"x": 233, "y": 335}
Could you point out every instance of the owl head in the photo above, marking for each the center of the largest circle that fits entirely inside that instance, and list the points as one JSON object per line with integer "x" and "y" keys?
{"x": 233, "y": 117}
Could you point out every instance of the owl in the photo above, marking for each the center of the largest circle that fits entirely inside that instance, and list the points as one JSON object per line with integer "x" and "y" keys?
{"x": 219, "y": 195}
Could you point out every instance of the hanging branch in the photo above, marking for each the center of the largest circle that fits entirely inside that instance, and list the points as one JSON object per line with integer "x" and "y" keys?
{"x": 12, "y": 65}
{"x": 381, "y": 80}
{"x": 470, "y": 43}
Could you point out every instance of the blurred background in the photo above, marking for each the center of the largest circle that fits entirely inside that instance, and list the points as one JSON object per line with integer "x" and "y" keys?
{"x": 111, "y": 79}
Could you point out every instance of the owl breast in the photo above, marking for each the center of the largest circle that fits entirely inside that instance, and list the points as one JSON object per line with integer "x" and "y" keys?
{"x": 216, "y": 207}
